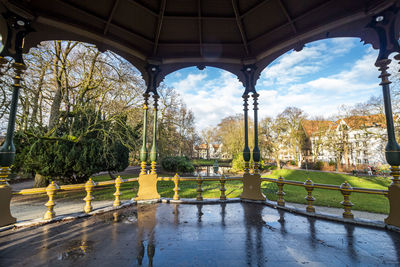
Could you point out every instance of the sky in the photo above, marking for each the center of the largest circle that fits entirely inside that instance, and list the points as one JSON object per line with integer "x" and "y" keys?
{"x": 323, "y": 76}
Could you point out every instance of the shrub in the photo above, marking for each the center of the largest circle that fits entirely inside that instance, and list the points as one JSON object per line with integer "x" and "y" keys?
{"x": 177, "y": 164}
{"x": 238, "y": 163}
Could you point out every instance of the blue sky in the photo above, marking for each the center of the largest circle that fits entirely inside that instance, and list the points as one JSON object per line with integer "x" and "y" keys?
{"x": 318, "y": 79}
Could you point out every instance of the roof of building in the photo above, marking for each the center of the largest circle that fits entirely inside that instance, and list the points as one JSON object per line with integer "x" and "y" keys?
{"x": 358, "y": 122}
{"x": 354, "y": 122}
{"x": 314, "y": 126}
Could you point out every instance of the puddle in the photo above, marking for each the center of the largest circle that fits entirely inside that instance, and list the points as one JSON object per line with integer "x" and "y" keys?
{"x": 76, "y": 250}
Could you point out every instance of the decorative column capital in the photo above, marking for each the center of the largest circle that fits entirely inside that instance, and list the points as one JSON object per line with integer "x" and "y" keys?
{"x": 250, "y": 78}
{"x": 383, "y": 32}
{"x": 152, "y": 72}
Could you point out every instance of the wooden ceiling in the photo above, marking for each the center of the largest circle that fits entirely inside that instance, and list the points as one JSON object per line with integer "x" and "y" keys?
{"x": 180, "y": 33}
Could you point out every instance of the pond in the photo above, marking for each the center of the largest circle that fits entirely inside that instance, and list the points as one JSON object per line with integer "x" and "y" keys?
{"x": 209, "y": 171}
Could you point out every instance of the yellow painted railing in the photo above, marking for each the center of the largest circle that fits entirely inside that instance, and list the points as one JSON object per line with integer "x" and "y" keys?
{"x": 345, "y": 188}
{"x": 309, "y": 186}
{"x": 199, "y": 180}
{"x": 53, "y": 188}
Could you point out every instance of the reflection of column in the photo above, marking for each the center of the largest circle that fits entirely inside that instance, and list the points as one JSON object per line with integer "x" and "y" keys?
{"x": 253, "y": 213}
{"x": 143, "y": 151}
{"x": 350, "y": 241}
{"x": 311, "y": 221}
{"x": 153, "y": 153}
{"x": 199, "y": 212}
{"x": 146, "y": 221}
{"x": 223, "y": 213}
{"x": 246, "y": 150}
{"x": 256, "y": 149}
{"x": 176, "y": 214}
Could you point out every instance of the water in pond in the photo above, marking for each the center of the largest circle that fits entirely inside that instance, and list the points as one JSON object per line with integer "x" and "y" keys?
{"x": 209, "y": 171}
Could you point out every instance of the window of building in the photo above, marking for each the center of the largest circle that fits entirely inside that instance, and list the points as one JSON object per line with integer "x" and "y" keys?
{"x": 365, "y": 161}
{"x": 359, "y": 161}
{"x": 365, "y": 144}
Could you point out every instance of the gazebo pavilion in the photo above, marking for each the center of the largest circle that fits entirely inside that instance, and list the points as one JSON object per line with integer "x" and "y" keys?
{"x": 161, "y": 36}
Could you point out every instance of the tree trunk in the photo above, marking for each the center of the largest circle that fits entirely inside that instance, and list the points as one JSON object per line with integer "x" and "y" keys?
{"x": 56, "y": 104}
{"x": 278, "y": 163}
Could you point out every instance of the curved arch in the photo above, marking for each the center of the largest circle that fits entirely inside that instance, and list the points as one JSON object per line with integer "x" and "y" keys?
{"x": 81, "y": 35}
{"x": 234, "y": 69}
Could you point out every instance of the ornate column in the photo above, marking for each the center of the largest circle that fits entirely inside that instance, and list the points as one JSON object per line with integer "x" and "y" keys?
{"x": 7, "y": 150}
{"x": 13, "y": 30}
{"x": 148, "y": 182}
{"x": 383, "y": 33}
{"x": 153, "y": 153}
{"x": 392, "y": 150}
{"x": 256, "y": 149}
{"x": 251, "y": 182}
{"x": 143, "y": 151}
{"x": 246, "y": 150}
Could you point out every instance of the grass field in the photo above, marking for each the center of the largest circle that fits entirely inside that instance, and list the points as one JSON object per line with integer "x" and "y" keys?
{"x": 330, "y": 198}
{"x": 296, "y": 194}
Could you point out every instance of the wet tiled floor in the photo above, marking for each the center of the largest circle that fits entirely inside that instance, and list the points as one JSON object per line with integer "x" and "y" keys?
{"x": 235, "y": 234}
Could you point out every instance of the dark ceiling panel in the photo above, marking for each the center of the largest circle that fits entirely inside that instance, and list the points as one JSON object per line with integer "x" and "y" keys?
{"x": 181, "y": 8}
{"x": 220, "y": 31}
{"x": 264, "y": 19}
{"x": 93, "y": 7}
{"x": 218, "y": 8}
{"x": 135, "y": 18}
{"x": 187, "y": 33}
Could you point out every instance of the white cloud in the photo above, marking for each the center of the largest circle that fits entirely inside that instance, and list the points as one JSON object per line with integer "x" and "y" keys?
{"x": 322, "y": 95}
{"x": 211, "y": 99}
{"x": 294, "y": 80}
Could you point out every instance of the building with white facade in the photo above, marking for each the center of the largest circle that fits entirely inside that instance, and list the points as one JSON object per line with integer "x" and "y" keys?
{"x": 212, "y": 151}
{"x": 353, "y": 140}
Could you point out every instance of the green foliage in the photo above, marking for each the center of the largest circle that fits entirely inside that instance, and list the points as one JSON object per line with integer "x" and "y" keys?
{"x": 86, "y": 144}
{"x": 238, "y": 163}
{"x": 319, "y": 165}
{"x": 177, "y": 164}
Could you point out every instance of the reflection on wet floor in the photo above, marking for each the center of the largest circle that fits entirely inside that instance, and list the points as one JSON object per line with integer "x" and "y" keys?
{"x": 234, "y": 234}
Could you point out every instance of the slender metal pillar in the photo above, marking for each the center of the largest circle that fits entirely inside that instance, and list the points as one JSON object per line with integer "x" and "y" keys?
{"x": 246, "y": 150}
{"x": 256, "y": 149}
{"x": 153, "y": 153}
{"x": 392, "y": 151}
{"x": 143, "y": 151}
{"x": 7, "y": 150}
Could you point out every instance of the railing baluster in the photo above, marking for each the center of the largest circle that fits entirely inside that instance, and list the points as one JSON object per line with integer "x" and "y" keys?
{"x": 51, "y": 191}
{"x": 222, "y": 189}
{"x": 280, "y": 193}
{"x": 176, "y": 188}
{"x": 89, "y": 187}
{"x": 199, "y": 189}
{"x": 118, "y": 182}
{"x": 345, "y": 190}
{"x": 309, "y": 185}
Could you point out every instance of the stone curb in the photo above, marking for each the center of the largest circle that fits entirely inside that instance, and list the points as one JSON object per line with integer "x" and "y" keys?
{"x": 63, "y": 218}
{"x": 318, "y": 215}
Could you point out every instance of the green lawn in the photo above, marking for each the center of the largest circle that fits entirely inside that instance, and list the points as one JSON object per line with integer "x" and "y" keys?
{"x": 330, "y": 198}
{"x": 296, "y": 194}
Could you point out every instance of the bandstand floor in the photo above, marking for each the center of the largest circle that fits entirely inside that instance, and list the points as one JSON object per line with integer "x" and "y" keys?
{"x": 233, "y": 234}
